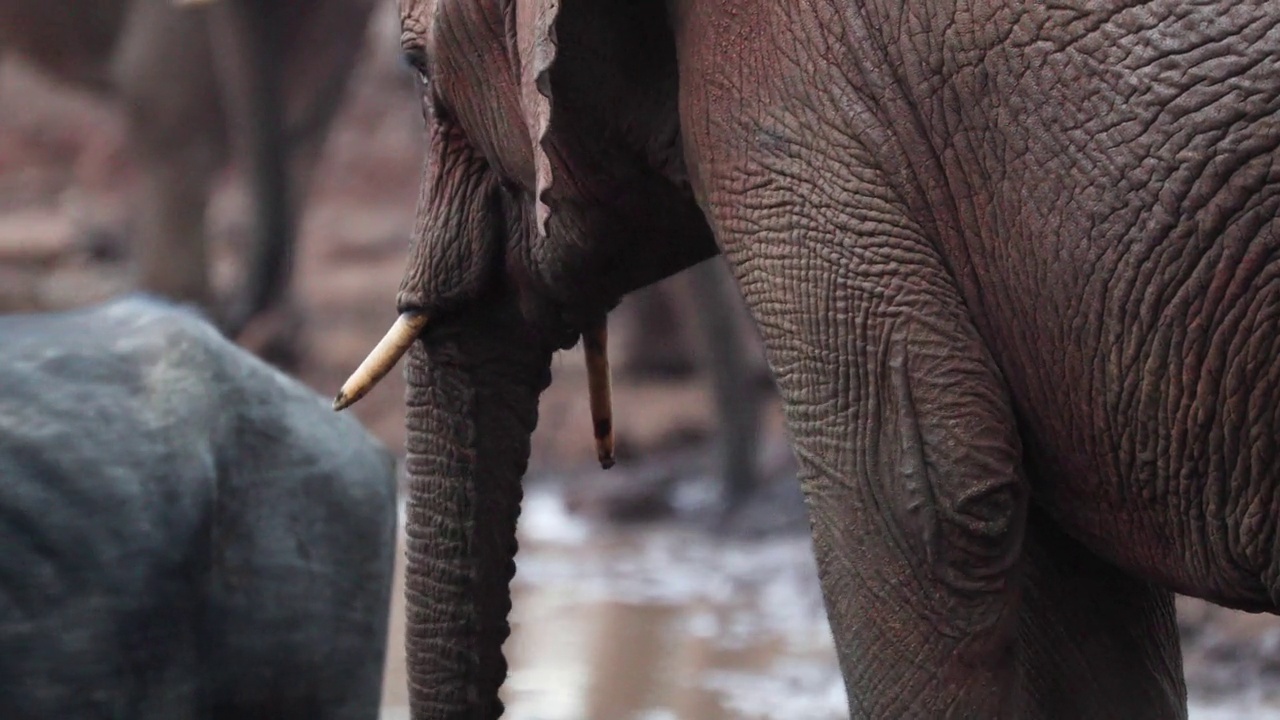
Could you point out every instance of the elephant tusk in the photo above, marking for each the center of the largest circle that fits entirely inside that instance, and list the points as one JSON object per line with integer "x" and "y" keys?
{"x": 595, "y": 343}
{"x": 382, "y": 358}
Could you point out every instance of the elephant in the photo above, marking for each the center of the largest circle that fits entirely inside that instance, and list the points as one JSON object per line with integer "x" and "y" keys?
{"x": 694, "y": 321}
{"x": 1017, "y": 272}
{"x": 264, "y": 79}
{"x": 188, "y": 532}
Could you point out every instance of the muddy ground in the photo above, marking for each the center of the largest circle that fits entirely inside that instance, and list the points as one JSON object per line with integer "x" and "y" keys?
{"x": 654, "y": 620}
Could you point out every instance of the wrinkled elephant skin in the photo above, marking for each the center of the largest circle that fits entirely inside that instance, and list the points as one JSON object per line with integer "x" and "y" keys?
{"x": 1017, "y": 272}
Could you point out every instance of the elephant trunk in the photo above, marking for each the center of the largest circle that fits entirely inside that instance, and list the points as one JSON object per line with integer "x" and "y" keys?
{"x": 253, "y": 34}
{"x": 472, "y": 406}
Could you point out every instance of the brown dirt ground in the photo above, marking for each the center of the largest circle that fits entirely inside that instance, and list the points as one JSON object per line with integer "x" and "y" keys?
{"x": 63, "y": 170}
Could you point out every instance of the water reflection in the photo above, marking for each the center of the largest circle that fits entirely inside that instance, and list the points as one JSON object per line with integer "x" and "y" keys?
{"x": 641, "y": 624}
{"x": 663, "y": 623}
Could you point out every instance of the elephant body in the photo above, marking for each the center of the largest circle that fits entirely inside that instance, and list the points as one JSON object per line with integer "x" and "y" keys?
{"x": 1044, "y": 243}
{"x": 198, "y": 84}
{"x": 188, "y": 533}
{"x": 1015, "y": 267}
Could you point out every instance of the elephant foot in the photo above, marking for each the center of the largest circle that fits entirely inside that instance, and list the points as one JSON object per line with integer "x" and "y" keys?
{"x": 776, "y": 508}
{"x": 277, "y": 335}
{"x": 769, "y": 503}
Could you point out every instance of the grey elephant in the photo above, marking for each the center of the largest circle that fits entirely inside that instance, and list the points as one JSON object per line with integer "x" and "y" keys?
{"x": 197, "y": 80}
{"x": 187, "y": 532}
{"x": 1017, "y": 273}
{"x": 697, "y": 321}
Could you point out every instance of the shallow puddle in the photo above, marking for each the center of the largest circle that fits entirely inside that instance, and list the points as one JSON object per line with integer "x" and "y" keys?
{"x": 660, "y": 622}
{"x": 664, "y": 623}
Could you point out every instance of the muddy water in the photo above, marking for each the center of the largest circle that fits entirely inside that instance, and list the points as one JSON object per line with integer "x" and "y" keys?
{"x": 664, "y": 622}
{"x": 660, "y": 622}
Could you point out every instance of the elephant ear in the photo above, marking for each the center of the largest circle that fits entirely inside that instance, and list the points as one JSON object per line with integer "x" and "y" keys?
{"x": 536, "y": 37}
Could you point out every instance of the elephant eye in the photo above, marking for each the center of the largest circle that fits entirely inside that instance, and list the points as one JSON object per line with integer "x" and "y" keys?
{"x": 415, "y": 56}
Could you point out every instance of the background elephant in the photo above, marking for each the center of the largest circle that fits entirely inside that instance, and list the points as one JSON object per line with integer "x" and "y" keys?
{"x": 195, "y": 83}
{"x": 1014, "y": 266}
{"x": 187, "y": 531}
{"x": 695, "y": 324}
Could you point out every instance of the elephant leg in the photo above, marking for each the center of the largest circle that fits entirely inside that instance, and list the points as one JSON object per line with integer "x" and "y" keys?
{"x": 910, "y": 464}
{"x": 653, "y": 334}
{"x": 248, "y": 48}
{"x": 174, "y": 129}
{"x": 718, "y": 304}
{"x": 1094, "y": 642}
{"x": 942, "y": 602}
{"x": 319, "y": 62}
{"x": 909, "y": 450}
{"x": 316, "y": 50}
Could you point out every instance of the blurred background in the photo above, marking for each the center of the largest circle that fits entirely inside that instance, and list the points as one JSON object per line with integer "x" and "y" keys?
{"x": 679, "y": 584}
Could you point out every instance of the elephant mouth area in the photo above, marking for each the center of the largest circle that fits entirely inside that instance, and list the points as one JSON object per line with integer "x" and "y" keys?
{"x": 508, "y": 304}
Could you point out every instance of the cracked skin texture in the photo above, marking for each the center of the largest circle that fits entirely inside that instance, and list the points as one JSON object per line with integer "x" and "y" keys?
{"x": 1014, "y": 269}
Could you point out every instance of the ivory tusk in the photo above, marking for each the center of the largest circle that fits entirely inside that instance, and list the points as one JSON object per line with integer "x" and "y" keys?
{"x": 595, "y": 343}
{"x": 384, "y": 356}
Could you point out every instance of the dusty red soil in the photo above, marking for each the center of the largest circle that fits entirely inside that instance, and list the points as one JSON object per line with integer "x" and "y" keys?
{"x": 63, "y": 171}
